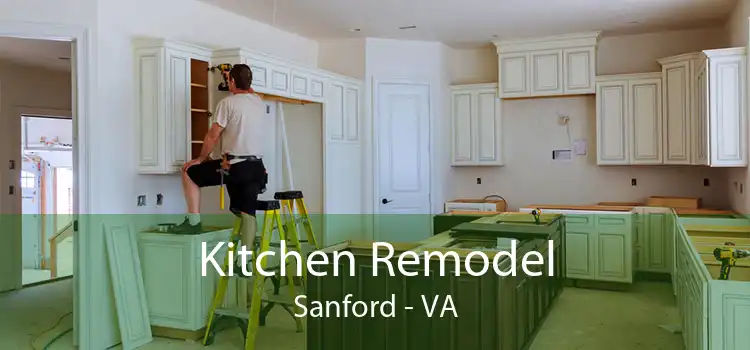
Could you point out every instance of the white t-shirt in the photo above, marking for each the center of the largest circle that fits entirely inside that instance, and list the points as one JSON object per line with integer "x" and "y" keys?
{"x": 241, "y": 116}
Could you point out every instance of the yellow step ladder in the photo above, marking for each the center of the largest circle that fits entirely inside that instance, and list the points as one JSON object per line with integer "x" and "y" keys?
{"x": 249, "y": 321}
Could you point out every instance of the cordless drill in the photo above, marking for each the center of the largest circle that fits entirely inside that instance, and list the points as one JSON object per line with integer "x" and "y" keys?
{"x": 224, "y": 68}
{"x": 728, "y": 257}
{"x": 536, "y": 213}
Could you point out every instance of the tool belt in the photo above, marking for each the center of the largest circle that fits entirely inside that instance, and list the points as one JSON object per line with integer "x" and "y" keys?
{"x": 231, "y": 157}
{"x": 225, "y": 167}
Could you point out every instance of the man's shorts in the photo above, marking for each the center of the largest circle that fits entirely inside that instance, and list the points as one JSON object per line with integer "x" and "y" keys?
{"x": 246, "y": 180}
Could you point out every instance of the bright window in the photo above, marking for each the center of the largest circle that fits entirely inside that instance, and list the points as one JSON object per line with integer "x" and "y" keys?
{"x": 28, "y": 180}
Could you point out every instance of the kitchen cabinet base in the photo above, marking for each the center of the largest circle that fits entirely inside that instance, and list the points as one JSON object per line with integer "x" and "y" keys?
{"x": 653, "y": 276}
{"x": 589, "y": 284}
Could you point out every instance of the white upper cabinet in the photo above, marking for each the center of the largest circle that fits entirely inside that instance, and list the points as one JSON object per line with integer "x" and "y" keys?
{"x": 274, "y": 76}
{"x": 677, "y": 75}
{"x": 547, "y": 66}
{"x": 629, "y": 119}
{"x": 163, "y": 101}
{"x": 476, "y": 126}
{"x": 727, "y": 108}
{"x": 705, "y": 108}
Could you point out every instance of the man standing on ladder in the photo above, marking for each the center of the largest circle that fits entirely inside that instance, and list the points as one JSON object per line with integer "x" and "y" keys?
{"x": 239, "y": 124}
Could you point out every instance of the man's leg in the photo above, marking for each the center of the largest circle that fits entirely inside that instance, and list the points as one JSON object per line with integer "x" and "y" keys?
{"x": 196, "y": 177}
{"x": 192, "y": 197}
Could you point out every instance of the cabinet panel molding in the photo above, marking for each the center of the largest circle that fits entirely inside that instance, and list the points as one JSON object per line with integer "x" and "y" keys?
{"x": 476, "y": 126}
{"x": 547, "y": 66}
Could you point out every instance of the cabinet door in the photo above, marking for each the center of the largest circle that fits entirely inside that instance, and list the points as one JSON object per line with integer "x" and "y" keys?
{"x": 656, "y": 242}
{"x": 677, "y": 117}
{"x": 612, "y": 123}
{"x": 149, "y": 73}
{"x": 614, "y": 248}
{"x": 514, "y": 75}
{"x": 488, "y": 128}
{"x": 178, "y": 108}
{"x": 579, "y": 70}
{"x": 579, "y": 253}
{"x": 462, "y": 128}
{"x": 546, "y": 73}
{"x": 727, "y": 113}
{"x": 645, "y": 121}
{"x": 700, "y": 114}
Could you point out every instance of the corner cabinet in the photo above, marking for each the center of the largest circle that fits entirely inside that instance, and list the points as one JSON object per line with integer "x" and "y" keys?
{"x": 165, "y": 76}
{"x": 705, "y": 108}
{"x": 476, "y": 126}
{"x": 547, "y": 66}
{"x": 629, "y": 119}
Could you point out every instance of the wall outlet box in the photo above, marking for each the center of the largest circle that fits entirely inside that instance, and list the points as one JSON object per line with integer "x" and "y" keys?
{"x": 562, "y": 155}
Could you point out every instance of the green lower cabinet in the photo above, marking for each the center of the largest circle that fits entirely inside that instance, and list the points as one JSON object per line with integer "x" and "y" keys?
{"x": 599, "y": 247}
{"x": 654, "y": 242}
{"x": 494, "y": 312}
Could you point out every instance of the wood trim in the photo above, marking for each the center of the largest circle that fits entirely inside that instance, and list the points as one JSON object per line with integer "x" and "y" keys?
{"x": 546, "y": 97}
{"x": 43, "y": 210}
{"x": 267, "y": 97}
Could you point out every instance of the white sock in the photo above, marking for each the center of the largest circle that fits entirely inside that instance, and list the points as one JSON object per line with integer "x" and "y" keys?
{"x": 194, "y": 218}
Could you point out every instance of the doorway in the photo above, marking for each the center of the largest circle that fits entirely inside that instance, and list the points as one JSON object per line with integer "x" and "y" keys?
{"x": 47, "y": 198}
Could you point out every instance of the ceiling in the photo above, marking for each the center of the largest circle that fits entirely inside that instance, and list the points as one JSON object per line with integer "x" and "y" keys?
{"x": 36, "y": 53}
{"x": 471, "y": 23}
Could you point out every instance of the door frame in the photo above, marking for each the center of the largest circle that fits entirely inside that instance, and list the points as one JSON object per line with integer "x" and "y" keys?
{"x": 375, "y": 152}
{"x": 83, "y": 66}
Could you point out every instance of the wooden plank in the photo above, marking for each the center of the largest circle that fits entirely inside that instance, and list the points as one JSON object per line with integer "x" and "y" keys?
{"x": 580, "y": 207}
{"x": 268, "y": 97}
{"x": 674, "y": 202}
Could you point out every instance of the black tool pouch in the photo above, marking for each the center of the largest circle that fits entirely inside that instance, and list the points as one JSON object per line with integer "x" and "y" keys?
{"x": 265, "y": 182}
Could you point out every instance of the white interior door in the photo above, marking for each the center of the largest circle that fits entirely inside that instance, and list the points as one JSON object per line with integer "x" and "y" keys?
{"x": 402, "y": 117}
{"x": 31, "y": 218}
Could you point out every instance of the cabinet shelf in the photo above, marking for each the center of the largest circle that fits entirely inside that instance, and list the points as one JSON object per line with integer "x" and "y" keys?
{"x": 199, "y": 110}
{"x": 204, "y": 86}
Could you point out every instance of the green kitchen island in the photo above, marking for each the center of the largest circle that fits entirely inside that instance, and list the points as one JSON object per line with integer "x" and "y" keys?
{"x": 474, "y": 305}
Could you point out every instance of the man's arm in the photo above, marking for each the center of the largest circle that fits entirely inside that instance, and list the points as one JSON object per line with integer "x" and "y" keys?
{"x": 210, "y": 140}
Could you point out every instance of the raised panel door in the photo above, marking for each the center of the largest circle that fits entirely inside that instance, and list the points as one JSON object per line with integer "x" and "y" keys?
{"x": 646, "y": 121}
{"x": 488, "y": 128}
{"x": 579, "y": 70}
{"x": 514, "y": 73}
{"x": 462, "y": 127}
{"x": 546, "y": 72}
{"x": 612, "y": 123}
{"x": 677, "y": 117}
{"x": 727, "y": 113}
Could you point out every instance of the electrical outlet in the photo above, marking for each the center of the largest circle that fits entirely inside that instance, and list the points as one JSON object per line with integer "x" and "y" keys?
{"x": 479, "y": 181}
{"x": 706, "y": 183}
{"x": 142, "y": 200}
{"x": 633, "y": 182}
{"x": 159, "y": 199}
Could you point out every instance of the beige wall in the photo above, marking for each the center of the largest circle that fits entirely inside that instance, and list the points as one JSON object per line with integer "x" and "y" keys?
{"x": 531, "y": 133}
{"x": 737, "y": 33}
{"x": 304, "y": 129}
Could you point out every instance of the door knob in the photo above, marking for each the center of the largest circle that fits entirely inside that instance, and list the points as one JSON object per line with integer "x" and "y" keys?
{"x": 386, "y": 201}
